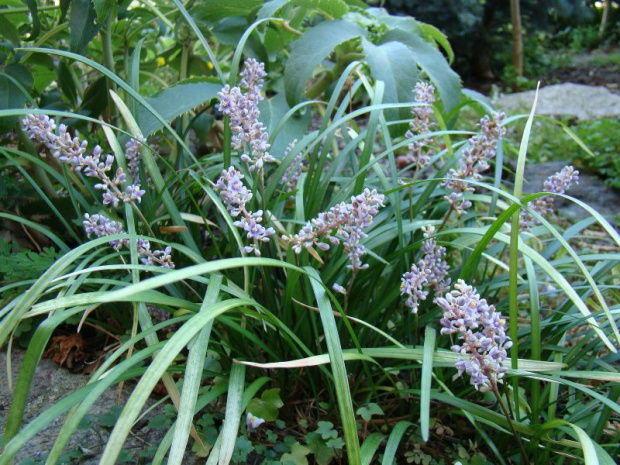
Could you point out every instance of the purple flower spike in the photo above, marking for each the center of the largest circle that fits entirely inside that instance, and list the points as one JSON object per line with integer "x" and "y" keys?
{"x": 71, "y": 151}
{"x": 249, "y": 134}
{"x": 101, "y": 226}
{"x": 419, "y": 153}
{"x": 235, "y": 195}
{"x": 132, "y": 155}
{"x": 558, "y": 183}
{"x": 430, "y": 272}
{"x": 343, "y": 222}
{"x": 475, "y": 159}
{"x": 481, "y": 333}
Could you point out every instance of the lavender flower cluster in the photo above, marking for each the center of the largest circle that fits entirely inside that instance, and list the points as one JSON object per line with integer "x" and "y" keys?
{"x": 420, "y": 124}
{"x": 474, "y": 161}
{"x": 481, "y": 332}
{"x": 235, "y": 195}
{"x": 132, "y": 155}
{"x": 102, "y": 226}
{"x": 249, "y": 134}
{"x": 345, "y": 222}
{"x": 430, "y": 272}
{"x": 72, "y": 151}
{"x": 294, "y": 170}
{"x": 558, "y": 183}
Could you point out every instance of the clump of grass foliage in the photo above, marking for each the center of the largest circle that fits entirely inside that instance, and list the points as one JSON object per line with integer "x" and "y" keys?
{"x": 307, "y": 320}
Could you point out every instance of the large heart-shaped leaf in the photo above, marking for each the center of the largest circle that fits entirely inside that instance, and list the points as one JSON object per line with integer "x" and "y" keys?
{"x": 394, "y": 63}
{"x": 310, "y": 50}
{"x": 272, "y": 112}
{"x": 174, "y": 101}
{"x": 433, "y": 63}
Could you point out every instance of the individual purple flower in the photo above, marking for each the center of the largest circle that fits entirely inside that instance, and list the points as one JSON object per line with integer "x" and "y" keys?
{"x": 102, "y": 226}
{"x": 558, "y": 183}
{"x": 343, "y": 222}
{"x": 338, "y": 288}
{"x": 235, "y": 195}
{"x": 474, "y": 160}
{"x": 248, "y": 133}
{"x": 72, "y": 151}
{"x": 481, "y": 333}
{"x": 252, "y": 422}
{"x": 419, "y": 154}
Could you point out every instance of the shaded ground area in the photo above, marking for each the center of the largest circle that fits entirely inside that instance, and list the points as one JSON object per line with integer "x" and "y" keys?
{"x": 597, "y": 68}
{"x": 49, "y": 385}
{"x": 606, "y": 76}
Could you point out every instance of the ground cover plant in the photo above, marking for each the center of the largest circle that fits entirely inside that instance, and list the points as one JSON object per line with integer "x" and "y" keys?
{"x": 299, "y": 250}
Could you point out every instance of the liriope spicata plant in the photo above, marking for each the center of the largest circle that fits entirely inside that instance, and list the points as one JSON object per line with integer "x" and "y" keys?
{"x": 351, "y": 246}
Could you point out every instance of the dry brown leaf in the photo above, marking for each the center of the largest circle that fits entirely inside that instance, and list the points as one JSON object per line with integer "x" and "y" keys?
{"x": 64, "y": 346}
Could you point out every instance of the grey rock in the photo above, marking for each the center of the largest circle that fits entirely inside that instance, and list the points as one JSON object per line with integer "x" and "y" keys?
{"x": 581, "y": 101}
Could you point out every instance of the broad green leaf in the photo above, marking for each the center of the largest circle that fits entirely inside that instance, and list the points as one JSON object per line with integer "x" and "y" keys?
{"x": 267, "y": 406}
{"x": 310, "y": 50}
{"x": 393, "y": 63}
{"x": 103, "y": 9}
{"x": 82, "y": 24}
{"x": 95, "y": 98}
{"x": 272, "y": 112}
{"x": 14, "y": 84}
{"x": 174, "y": 101}
{"x": 66, "y": 82}
{"x": 297, "y": 455}
{"x": 439, "y": 37}
{"x": 369, "y": 410}
{"x": 214, "y": 10}
{"x": 8, "y": 30}
{"x": 433, "y": 63}
{"x": 331, "y": 9}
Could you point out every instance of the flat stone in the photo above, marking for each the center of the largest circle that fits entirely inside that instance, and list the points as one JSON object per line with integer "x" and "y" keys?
{"x": 568, "y": 99}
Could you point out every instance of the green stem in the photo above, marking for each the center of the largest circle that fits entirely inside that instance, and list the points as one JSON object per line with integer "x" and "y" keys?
{"x": 526, "y": 461}
{"x": 227, "y": 143}
{"x": 9, "y": 11}
{"x": 183, "y": 74}
{"x": 108, "y": 55}
{"x": 445, "y": 220}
